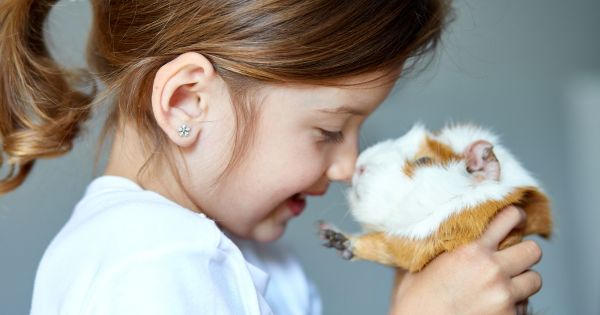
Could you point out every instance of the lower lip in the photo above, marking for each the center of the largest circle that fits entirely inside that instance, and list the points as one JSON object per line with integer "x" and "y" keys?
{"x": 296, "y": 206}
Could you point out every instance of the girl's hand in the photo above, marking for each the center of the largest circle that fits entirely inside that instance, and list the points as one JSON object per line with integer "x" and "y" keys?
{"x": 476, "y": 278}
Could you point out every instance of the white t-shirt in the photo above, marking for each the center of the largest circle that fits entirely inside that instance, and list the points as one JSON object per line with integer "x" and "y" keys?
{"x": 126, "y": 250}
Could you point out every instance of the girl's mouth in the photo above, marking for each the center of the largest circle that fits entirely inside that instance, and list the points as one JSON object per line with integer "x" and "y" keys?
{"x": 296, "y": 204}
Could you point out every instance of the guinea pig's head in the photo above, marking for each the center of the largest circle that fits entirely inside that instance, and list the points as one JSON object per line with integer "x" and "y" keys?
{"x": 400, "y": 182}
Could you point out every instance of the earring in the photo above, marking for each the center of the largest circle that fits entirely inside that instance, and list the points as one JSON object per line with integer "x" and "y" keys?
{"x": 184, "y": 130}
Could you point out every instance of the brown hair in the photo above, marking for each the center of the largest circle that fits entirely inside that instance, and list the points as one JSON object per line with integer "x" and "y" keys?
{"x": 248, "y": 43}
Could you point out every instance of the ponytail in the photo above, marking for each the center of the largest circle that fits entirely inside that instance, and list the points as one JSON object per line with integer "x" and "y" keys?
{"x": 40, "y": 112}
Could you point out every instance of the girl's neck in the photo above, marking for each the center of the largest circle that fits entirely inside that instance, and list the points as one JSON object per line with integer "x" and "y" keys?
{"x": 126, "y": 159}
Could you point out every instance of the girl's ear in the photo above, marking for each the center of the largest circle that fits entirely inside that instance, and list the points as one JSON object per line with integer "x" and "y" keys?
{"x": 181, "y": 96}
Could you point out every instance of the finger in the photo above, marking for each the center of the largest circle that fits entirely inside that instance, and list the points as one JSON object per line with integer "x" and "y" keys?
{"x": 507, "y": 219}
{"x": 525, "y": 285}
{"x": 519, "y": 257}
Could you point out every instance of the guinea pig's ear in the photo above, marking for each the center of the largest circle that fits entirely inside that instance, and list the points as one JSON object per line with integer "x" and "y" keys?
{"x": 481, "y": 161}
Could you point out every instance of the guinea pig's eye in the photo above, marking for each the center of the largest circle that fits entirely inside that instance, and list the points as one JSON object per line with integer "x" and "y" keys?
{"x": 423, "y": 161}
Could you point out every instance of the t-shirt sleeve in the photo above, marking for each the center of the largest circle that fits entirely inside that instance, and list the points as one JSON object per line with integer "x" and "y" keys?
{"x": 177, "y": 281}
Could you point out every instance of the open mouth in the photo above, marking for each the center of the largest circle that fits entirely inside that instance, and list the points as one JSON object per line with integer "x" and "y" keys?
{"x": 297, "y": 203}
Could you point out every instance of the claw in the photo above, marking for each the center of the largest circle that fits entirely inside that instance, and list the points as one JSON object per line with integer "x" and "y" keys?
{"x": 339, "y": 246}
{"x": 327, "y": 244}
{"x": 347, "y": 254}
{"x": 334, "y": 238}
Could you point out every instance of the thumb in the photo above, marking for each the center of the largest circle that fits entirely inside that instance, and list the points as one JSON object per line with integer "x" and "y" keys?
{"x": 504, "y": 222}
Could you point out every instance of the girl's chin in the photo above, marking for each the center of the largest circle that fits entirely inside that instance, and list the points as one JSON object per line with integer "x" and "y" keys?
{"x": 273, "y": 226}
{"x": 263, "y": 232}
{"x": 268, "y": 232}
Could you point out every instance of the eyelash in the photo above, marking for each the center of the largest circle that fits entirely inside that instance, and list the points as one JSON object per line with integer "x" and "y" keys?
{"x": 332, "y": 136}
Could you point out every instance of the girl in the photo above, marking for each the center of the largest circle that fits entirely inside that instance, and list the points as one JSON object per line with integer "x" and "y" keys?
{"x": 225, "y": 116}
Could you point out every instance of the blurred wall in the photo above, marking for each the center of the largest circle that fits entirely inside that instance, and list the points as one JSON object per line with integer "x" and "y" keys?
{"x": 510, "y": 65}
{"x": 582, "y": 110}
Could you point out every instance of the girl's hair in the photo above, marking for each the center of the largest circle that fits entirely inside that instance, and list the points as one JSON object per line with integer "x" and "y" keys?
{"x": 248, "y": 42}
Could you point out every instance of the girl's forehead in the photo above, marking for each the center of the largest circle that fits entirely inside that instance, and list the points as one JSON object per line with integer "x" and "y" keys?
{"x": 354, "y": 100}
{"x": 356, "y": 96}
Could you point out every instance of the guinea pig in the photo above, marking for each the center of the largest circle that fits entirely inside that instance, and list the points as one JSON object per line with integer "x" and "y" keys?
{"x": 425, "y": 193}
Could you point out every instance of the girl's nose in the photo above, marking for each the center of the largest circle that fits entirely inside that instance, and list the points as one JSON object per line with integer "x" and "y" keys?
{"x": 340, "y": 172}
{"x": 342, "y": 169}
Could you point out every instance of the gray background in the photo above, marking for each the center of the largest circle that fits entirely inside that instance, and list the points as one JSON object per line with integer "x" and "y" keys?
{"x": 528, "y": 69}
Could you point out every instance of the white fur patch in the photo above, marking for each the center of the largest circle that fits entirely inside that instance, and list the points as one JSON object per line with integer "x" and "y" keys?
{"x": 383, "y": 198}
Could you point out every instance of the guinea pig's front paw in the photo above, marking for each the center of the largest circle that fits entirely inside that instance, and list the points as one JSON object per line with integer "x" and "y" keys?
{"x": 334, "y": 238}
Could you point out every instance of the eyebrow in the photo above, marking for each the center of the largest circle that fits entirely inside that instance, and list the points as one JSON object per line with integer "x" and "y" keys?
{"x": 343, "y": 110}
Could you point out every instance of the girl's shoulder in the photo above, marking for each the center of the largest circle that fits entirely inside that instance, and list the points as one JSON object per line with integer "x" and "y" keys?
{"x": 117, "y": 221}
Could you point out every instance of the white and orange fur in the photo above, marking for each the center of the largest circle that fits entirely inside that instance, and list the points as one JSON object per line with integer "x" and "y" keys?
{"x": 425, "y": 193}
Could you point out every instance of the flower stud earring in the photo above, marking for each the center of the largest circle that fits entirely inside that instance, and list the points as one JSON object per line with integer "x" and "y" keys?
{"x": 184, "y": 130}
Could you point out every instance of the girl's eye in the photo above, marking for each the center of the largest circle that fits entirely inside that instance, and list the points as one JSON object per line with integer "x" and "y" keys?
{"x": 332, "y": 136}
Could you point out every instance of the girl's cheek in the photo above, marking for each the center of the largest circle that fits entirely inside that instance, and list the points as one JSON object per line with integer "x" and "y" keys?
{"x": 308, "y": 168}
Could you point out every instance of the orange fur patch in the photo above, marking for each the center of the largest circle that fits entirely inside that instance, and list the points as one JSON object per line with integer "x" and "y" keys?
{"x": 409, "y": 169}
{"x": 439, "y": 152}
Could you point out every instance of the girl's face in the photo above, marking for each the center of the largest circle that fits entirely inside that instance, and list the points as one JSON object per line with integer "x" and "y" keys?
{"x": 306, "y": 136}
